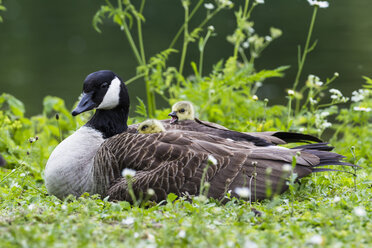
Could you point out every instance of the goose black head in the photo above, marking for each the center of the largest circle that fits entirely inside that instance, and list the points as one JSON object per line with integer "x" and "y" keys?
{"x": 106, "y": 92}
{"x": 102, "y": 90}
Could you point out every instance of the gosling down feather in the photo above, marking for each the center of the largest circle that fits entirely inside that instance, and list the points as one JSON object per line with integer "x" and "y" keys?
{"x": 175, "y": 161}
{"x": 183, "y": 118}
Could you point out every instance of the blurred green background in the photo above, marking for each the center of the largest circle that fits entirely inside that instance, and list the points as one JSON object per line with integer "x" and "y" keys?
{"x": 48, "y": 47}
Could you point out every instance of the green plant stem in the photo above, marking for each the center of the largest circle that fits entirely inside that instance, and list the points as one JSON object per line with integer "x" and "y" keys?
{"x": 132, "y": 44}
{"x": 185, "y": 40}
{"x": 246, "y": 7}
{"x": 131, "y": 80}
{"x": 289, "y": 111}
{"x": 303, "y": 57}
{"x": 139, "y": 30}
{"x": 202, "y": 53}
{"x": 179, "y": 32}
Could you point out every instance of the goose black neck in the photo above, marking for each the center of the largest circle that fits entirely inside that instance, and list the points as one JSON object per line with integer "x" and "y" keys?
{"x": 109, "y": 122}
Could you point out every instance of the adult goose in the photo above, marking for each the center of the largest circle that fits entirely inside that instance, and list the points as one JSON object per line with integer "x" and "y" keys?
{"x": 92, "y": 158}
{"x": 183, "y": 118}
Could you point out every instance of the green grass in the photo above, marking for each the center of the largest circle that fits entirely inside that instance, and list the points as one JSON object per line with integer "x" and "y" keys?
{"x": 324, "y": 206}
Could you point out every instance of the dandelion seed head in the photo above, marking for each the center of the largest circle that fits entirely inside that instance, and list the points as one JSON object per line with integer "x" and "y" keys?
{"x": 243, "y": 192}
{"x": 128, "y": 172}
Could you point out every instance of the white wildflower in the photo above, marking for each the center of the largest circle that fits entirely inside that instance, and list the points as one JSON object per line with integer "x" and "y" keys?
{"x": 312, "y": 101}
{"x": 212, "y": 160}
{"x": 334, "y": 97}
{"x": 324, "y": 114}
{"x": 181, "y": 234}
{"x": 336, "y": 74}
{"x": 335, "y": 92}
{"x": 63, "y": 207}
{"x": 226, "y": 3}
{"x": 290, "y": 93}
{"x": 128, "y": 221}
{"x": 260, "y": 1}
{"x": 128, "y": 172}
{"x": 302, "y": 129}
{"x": 320, "y": 4}
{"x": 258, "y": 84}
{"x": 245, "y": 44}
{"x": 243, "y": 192}
{"x": 211, "y": 28}
{"x": 22, "y": 175}
{"x": 15, "y": 184}
{"x": 209, "y": 6}
{"x": 360, "y": 211}
{"x": 359, "y": 95}
{"x": 336, "y": 199}
{"x": 326, "y": 124}
{"x": 364, "y": 109}
{"x": 279, "y": 209}
{"x": 316, "y": 239}
{"x": 319, "y": 83}
{"x": 268, "y": 38}
{"x": 150, "y": 192}
{"x": 31, "y": 206}
{"x": 251, "y": 30}
{"x": 250, "y": 244}
{"x": 287, "y": 167}
{"x": 254, "y": 98}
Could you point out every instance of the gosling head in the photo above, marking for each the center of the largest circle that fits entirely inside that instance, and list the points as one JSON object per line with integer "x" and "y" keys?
{"x": 183, "y": 110}
{"x": 102, "y": 90}
{"x": 151, "y": 126}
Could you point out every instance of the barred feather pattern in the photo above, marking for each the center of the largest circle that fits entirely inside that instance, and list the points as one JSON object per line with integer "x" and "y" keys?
{"x": 175, "y": 161}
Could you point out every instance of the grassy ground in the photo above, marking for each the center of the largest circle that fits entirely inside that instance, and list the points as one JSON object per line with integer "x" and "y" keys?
{"x": 327, "y": 211}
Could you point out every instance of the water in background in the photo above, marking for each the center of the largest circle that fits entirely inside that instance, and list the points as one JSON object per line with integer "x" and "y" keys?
{"x": 48, "y": 47}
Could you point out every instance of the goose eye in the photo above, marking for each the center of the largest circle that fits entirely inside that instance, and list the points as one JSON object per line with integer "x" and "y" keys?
{"x": 104, "y": 85}
{"x": 182, "y": 110}
{"x": 144, "y": 127}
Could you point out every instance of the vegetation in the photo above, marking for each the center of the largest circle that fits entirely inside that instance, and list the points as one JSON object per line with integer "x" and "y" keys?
{"x": 326, "y": 209}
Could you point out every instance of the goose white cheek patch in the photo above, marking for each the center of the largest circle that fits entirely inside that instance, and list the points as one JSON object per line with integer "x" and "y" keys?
{"x": 111, "y": 99}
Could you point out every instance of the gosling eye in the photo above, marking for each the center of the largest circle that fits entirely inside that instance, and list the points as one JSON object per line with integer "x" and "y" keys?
{"x": 104, "y": 85}
{"x": 182, "y": 110}
{"x": 144, "y": 127}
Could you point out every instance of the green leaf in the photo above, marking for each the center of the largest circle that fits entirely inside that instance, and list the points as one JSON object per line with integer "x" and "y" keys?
{"x": 171, "y": 197}
{"x": 141, "y": 108}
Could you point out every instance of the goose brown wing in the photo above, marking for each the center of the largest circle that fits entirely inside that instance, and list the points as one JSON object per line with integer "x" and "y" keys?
{"x": 174, "y": 162}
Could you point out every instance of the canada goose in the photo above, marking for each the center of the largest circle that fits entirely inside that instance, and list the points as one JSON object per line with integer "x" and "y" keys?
{"x": 2, "y": 161}
{"x": 151, "y": 126}
{"x": 93, "y": 158}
